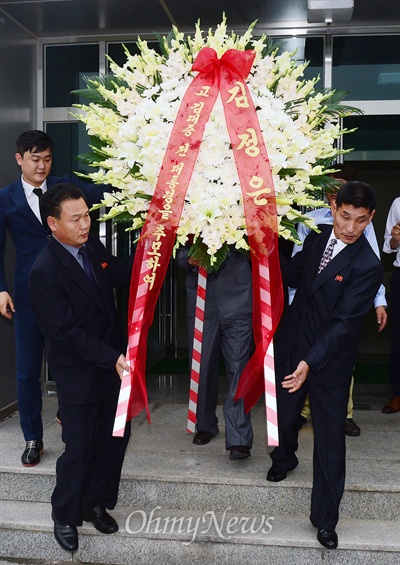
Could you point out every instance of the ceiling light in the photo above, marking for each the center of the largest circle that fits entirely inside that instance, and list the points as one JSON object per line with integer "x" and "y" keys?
{"x": 329, "y": 11}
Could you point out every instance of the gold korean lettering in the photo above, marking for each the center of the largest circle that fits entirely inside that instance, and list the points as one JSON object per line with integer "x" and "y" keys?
{"x": 188, "y": 130}
{"x": 159, "y": 232}
{"x": 204, "y": 91}
{"x": 249, "y": 142}
{"x": 183, "y": 149}
{"x": 257, "y": 195}
{"x": 149, "y": 279}
{"x": 153, "y": 263}
{"x": 240, "y": 101}
{"x": 165, "y": 214}
{"x": 177, "y": 168}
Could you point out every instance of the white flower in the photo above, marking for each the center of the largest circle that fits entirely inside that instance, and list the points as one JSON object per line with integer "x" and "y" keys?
{"x": 133, "y": 127}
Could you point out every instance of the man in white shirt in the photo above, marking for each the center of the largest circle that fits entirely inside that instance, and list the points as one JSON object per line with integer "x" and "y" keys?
{"x": 392, "y": 245}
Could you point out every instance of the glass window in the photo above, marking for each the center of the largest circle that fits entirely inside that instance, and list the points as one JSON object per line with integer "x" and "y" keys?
{"x": 367, "y": 67}
{"x": 308, "y": 49}
{"x": 66, "y": 66}
{"x": 376, "y": 139}
{"x": 70, "y": 140}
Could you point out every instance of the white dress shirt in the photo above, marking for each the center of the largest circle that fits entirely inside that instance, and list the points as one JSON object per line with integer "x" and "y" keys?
{"x": 32, "y": 198}
{"x": 392, "y": 219}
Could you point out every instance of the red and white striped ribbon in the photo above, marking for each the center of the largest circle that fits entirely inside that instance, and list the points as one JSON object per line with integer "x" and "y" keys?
{"x": 121, "y": 415}
{"x": 269, "y": 362}
{"x": 270, "y": 396}
{"x": 196, "y": 353}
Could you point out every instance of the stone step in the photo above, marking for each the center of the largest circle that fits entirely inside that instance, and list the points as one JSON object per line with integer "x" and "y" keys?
{"x": 154, "y": 535}
{"x": 162, "y": 464}
{"x": 166, "y": 474}
{"x": 290, "y": 497}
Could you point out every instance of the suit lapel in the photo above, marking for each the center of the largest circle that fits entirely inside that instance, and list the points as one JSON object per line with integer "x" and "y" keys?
{"x": 77, "y": 273}
{"x": 100, "y": 277}
{"x": 17, "y": 195}
{"x": 338, "y": 263}
{"x": 319, "y": 248}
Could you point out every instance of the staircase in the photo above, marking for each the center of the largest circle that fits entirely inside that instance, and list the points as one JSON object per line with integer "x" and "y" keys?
{"x": 186, "y": 504}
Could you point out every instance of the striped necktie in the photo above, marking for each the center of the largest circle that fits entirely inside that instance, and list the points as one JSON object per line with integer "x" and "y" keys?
{"x": 327, "y": 256}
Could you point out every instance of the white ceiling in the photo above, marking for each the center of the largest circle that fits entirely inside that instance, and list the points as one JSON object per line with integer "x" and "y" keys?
{"x": 112, "y": 18}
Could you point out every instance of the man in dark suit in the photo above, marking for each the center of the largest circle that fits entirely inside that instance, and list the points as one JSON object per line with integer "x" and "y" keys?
{"x": 20, "y": 215}
{"x": 316, "y": 345}
{"x": 71, "y": 286}
{"x": 228, "y": 330}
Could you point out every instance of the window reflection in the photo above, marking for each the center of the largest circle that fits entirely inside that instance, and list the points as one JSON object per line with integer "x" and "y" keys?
{"x": 376, "y": 138}
{"x": 66, "y": 66}
{"x": 368, "y": 67}
{"x": 70, "y": 140}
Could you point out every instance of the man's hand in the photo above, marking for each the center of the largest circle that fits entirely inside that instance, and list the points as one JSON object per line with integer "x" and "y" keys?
{"x": 121, "y": 366}
{"x": 381, "y": 317}
{"x": 193, "y": 262}
{"x": 294, "y": 381}
{"x": 395, "y": 233}
{"x": 6, "y": 305}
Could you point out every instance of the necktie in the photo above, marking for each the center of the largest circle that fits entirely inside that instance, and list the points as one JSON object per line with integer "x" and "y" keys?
{"x": 327, "y": 256}
{"x": 86, "y": 266}
{"x": 39, "y": 194}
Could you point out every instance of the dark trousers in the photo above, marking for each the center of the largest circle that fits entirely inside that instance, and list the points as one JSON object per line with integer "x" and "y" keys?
{"x": 395, "y": 322}
{"x": 29, "y": 353}
{"x": 328, "y": 410}
{"x": 232, "y": 337}
{"x": 89, "y": 470}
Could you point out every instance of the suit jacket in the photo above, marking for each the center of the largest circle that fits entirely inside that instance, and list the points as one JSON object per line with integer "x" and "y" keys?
{"x": 323, "y": 324}
{"x": 27, "y": 232}
{"x": 83, "y": 339}
{"x": 230, "y": 288}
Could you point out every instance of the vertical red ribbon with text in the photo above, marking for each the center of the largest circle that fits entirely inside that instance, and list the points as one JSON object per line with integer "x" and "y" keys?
{"x": 225, "y": 76}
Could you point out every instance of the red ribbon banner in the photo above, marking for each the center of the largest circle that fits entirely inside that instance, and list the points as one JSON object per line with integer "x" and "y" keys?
{"x": 225, "y": 76}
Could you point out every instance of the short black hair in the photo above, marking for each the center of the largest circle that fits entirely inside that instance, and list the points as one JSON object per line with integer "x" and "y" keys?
{"x": 50, "y": 203}
{"x": 33, "y": 139}
{"x": 358, "y": 194}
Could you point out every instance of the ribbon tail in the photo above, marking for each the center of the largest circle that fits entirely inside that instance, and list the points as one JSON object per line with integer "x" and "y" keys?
{"x": 196, "y": 350}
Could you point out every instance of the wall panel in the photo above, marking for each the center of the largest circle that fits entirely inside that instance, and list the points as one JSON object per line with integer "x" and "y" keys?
{"x": 18, "y": 72}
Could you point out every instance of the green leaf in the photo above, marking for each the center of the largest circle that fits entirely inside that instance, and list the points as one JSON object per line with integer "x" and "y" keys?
{"x": 199, "y": 252}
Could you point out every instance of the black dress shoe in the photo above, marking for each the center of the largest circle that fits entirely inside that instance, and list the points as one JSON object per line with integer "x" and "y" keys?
{"x": 33, "y": 451}
{"x": 351, "y": 429}
{"x": 327, "y": 538}
{"x": 67, "y": 536}
{"x": 239, "y": 452}
{"x": 201, "y": 438}
{"x": 101, "y": 520}
{"x": 275, "y": 474}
